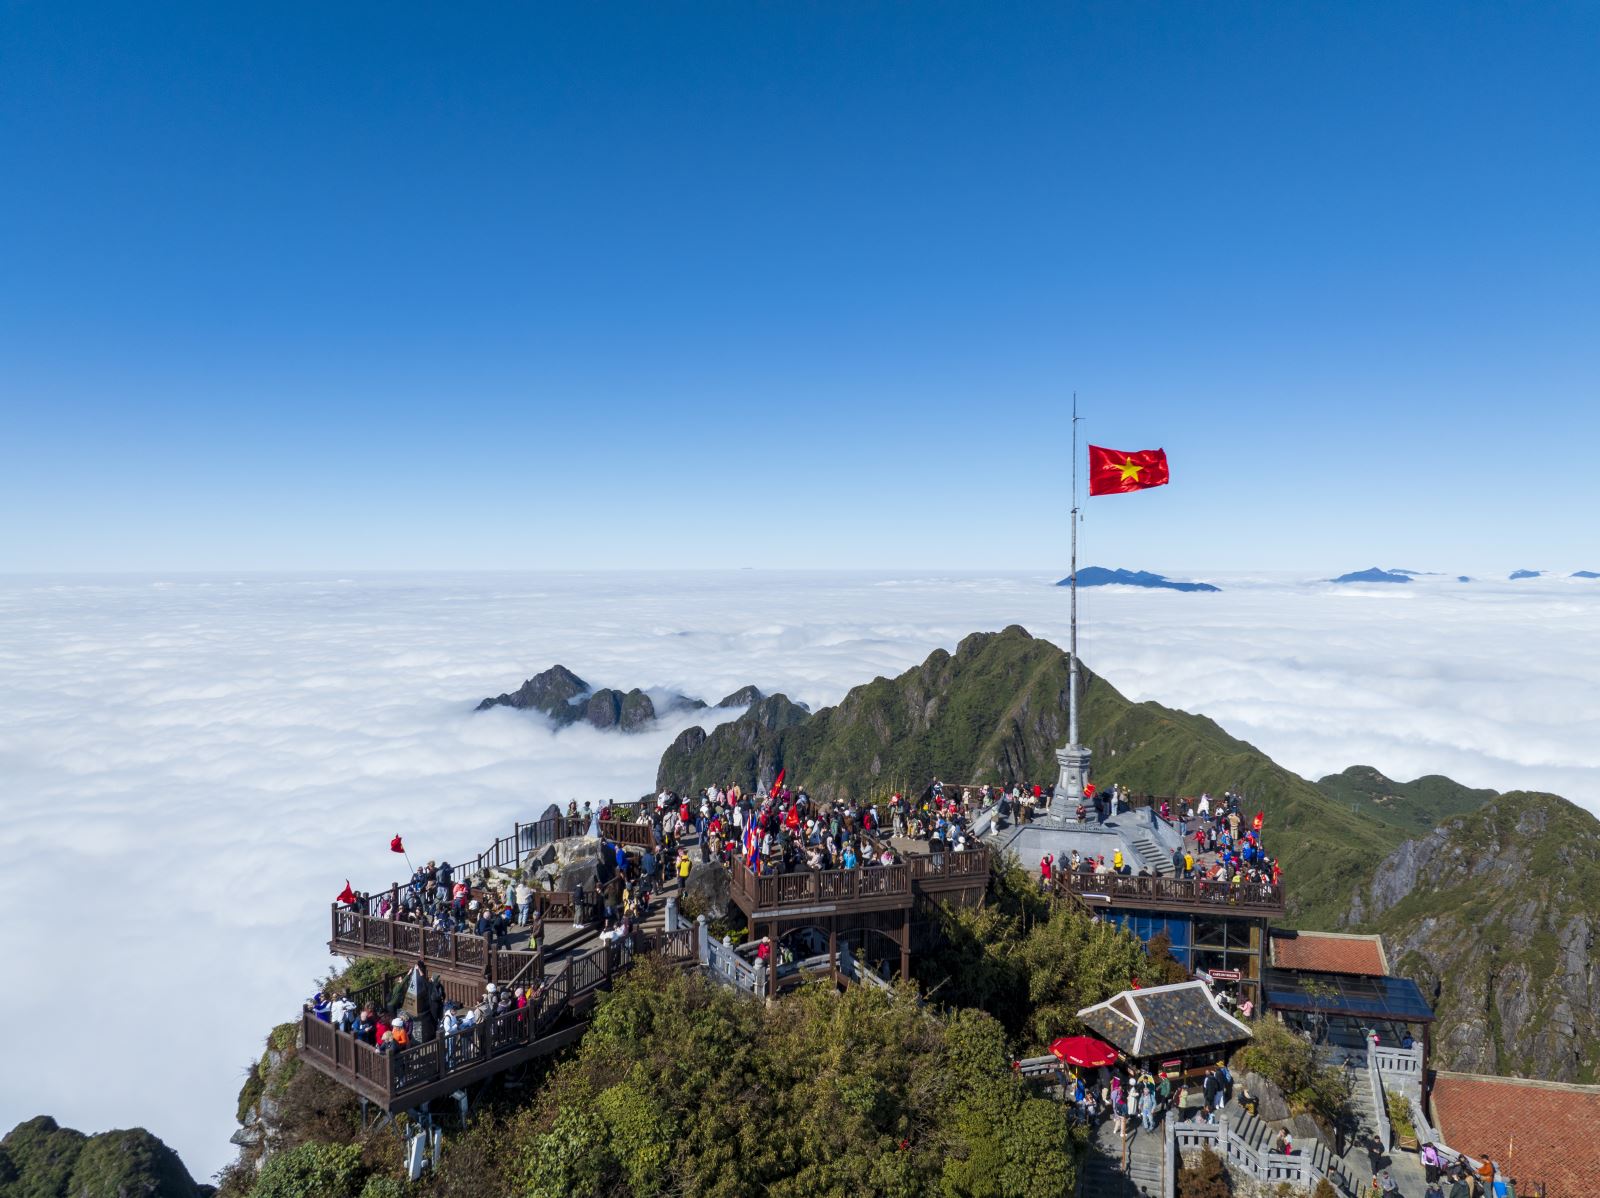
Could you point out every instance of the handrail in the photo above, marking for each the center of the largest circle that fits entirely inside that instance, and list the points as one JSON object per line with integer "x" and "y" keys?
{"x": 1379, "y": 1105}
{"x": 809, "y": 887}
{"x": 1263, "y": 1164}
{"x": 1156, "y": 888}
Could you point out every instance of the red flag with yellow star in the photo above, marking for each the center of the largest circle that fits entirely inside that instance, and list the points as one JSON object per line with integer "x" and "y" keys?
{"x": 1112, "y": 471}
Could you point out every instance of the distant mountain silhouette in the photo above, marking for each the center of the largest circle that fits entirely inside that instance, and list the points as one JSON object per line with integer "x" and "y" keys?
{"x": 1516, "y": 574}
{"x": 1585, "y": 574}
{"x": 1099, "y": 576}
{"x": 1374, "y": 575}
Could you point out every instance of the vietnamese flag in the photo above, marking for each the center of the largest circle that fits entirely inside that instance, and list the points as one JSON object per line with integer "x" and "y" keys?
{"x": 395, "y": 846}
{"x": 346, "y": 895}
{"x": 1113, "y": 471}
{"x": 777, "y": 782}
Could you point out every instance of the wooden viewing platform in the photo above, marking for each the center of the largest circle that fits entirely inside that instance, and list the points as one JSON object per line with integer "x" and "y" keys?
{"x": 419, "y": 1073}
{"x": 354, "y": 933}
{"x": 1154, "y": 892}
{"x": 867, "y": 901}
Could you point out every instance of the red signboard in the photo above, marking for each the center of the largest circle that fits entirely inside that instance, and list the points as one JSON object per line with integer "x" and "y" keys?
{"x": 1224, "y": 975}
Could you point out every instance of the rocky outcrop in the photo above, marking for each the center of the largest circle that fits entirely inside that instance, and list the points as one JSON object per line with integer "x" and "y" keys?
{"x": 706, "y": 892}
{"x": 41, "y": 1159}
{"x": 554, "y": 692}
{"x": 1494, "y": 915}
{"x": 564, "y": 698}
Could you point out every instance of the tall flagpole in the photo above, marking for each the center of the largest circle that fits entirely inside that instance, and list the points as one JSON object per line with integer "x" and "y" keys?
{"x": 1072, "y": 684}
{"x": 1073, "y": 757}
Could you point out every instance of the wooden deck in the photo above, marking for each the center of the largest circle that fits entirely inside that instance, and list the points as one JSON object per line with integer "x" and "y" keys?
{"x": 855, "y": 891}
{"x": 418, "y": 1074}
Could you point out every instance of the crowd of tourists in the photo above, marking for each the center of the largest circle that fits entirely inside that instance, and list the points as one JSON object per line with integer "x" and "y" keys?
{"x": 1132, "y": 1098}
{"x": 420, "y": 1013}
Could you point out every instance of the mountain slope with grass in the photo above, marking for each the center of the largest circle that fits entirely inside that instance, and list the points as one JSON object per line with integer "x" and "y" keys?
{"x": 1432, "y": 864}
{"x": 995, "y": 711}
{"x": 1415, "y": 807}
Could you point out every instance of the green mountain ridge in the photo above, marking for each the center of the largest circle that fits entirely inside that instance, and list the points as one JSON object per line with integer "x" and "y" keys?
{"x": 1431, "y": 864}
{"x": 995, "y": 711}
{"x": 41, "y": 1159}
{"x": 1416, "y": 806}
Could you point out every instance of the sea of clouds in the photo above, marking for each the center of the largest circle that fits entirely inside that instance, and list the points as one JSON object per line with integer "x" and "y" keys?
{"x": 191, "y": 767}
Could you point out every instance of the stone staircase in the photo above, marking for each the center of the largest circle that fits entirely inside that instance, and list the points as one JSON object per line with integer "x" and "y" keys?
{"x": 1150, "y": 854}
{"x": 1102, "y": 1172}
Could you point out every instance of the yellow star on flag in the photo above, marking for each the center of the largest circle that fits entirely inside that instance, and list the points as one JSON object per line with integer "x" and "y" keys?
{"x": 1129, "y": 470}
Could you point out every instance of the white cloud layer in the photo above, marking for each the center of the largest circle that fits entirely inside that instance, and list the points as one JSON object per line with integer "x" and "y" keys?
{"x": 190, "y": 768}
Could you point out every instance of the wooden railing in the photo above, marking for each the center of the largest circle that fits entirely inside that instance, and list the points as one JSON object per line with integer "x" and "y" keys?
{"x": 816, "y": 887}
{"x": 969, "y": 863}
{"x": 389, "y": 1077}
{"x": 357, "y": 935}
{"x": 1260, "y": 896}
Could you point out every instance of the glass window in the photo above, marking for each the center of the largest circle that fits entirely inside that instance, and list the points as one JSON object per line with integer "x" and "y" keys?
{"x": 1211, "y": 933}
{"x": 1239, "y": 933}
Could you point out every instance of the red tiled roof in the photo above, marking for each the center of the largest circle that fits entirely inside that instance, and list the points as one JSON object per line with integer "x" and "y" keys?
{"x": 1538, "y": 1132}
{"x": 1329, "y": 952}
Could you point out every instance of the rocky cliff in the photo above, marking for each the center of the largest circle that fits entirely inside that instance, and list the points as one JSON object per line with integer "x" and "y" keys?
{"x": 41, "y": 1159}
{"x": 1495, "y": 914}
{"x": 564, "y": 698}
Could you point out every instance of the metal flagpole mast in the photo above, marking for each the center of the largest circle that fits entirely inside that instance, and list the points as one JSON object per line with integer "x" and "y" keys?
{"x": 1073, "y": 757}
{"x": 1072, "y": 684}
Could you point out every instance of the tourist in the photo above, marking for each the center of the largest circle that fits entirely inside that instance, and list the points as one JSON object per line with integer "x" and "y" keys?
{"x": 1147, "y": 1107}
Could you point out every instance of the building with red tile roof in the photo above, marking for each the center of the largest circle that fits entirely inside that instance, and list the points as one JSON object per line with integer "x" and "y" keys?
{"x": 1542, "y": 1134}
{"x": 1329, "y": 952}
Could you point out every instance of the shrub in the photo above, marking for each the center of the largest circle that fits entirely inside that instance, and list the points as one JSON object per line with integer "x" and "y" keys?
{"x": 1400, "y": 1115}
{"x": 311, "y": 1170}
{"x": 1206, "y": 1178}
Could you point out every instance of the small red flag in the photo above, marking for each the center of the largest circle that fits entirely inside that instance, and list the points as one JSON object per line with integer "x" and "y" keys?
{"x": 346, "y": 895}
{"x": 777, "y": 782}
{"x": 1112, "y": 471}
{"x": 395, "y": 846}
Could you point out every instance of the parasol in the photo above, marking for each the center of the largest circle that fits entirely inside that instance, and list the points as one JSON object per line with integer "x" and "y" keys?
{"x": 1083, "y": 1050}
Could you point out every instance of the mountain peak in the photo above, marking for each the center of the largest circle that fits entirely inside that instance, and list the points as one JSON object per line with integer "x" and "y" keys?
{"x": 1100, "y": 576}
{"x": 1374, "y": 574}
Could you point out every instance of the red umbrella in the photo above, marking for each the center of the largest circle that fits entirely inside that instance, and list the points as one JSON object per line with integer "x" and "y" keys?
{"x": 1083, "y": 1050}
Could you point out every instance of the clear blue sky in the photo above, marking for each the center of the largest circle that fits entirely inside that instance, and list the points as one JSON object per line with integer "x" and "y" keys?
{"x": 345, "y": 286}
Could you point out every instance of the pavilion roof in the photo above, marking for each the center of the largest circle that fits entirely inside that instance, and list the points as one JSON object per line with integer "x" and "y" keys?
{"x": 1163, "y": 1021}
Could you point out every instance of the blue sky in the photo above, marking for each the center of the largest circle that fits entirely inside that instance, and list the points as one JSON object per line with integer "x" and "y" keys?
{"x": 362, "y": 287}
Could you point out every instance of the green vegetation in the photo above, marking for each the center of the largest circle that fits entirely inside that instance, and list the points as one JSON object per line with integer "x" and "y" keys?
{"x": 1033, "y": 964}
{"x": 1493, "y": 913}
{"x": 1400, "y": 1116}
{"x": 1206, "y": 1178}
{"x": 40, "y": 1159}
{"x": 311, "y": 1170}
{"x": 995, "y": 711}
{"x": 1288, "y": 1061}
{"x": 1414, "y": 807}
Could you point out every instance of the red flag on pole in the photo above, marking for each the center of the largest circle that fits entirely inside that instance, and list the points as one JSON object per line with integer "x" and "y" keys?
{"x": 395, "y": 846}
{"x": 777, "y": 782}
{"x": 346, "y": 895}
{"x": 1113, "y": 471}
